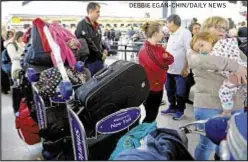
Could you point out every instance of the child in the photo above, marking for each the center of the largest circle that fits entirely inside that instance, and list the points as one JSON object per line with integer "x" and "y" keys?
{"x": 205, "y": 43}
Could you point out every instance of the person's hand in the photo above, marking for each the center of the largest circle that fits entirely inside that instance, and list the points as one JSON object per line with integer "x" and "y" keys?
{"x": 165, "y": 55}
{"x": 104, "y": 56}
{"x": 233, "y": 79}
{"x": 184, "y": 73}
{"x": 15, "y": 74}
{"x": 105, "y": 52}
{"x": 242, "y": 75}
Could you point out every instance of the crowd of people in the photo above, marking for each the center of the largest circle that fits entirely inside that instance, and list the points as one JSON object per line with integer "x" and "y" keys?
{"x": 192, "y": 56}
{"x": 218, "y": 67}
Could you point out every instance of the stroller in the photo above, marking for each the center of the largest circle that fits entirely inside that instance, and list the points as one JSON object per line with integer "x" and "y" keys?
{"x": 62, "y": 117}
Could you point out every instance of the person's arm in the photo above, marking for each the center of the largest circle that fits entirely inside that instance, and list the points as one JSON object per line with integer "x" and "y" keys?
{"x": 208, "y": 62}
{"x": 243, "y": 56}
{"x": 82, "y": 32}
{"x": 11, "y": 49}
{"x": 185, "y": 71}
{"x": 186, "y": 44}
{"x": 15, "y": 59}
{"x": 168, "y": 59}
{"x": 104, "y": 46}
{"x": 186, "y": 40}
{"x": 80, "y": 27}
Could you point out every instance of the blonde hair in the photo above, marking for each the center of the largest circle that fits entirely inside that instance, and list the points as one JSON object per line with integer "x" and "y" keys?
{"x": 205, "y": 36}
{"x": 150, "y": 28}
{"x": 213, "y": 22}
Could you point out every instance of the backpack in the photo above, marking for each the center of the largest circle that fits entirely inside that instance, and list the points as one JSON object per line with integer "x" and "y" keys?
{"x": 5, "y": 57}
{"x": 6, "y": 61}
{"x": 34, "y": 53}
{"x": 26, "y": 127}
{"x": 83, "y": 51}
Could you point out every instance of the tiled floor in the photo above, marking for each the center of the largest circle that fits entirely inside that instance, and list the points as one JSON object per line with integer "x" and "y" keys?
{"x": 13, "y": 148}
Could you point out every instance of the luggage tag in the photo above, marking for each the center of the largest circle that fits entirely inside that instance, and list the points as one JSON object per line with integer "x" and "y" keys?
{"x": 39, "y": 103}
{"x": 118, "y": 121}
{"x": 40, "y": 109}
{"x": 77, "y": 129}
{"x": 78, "y": 137}
{"x": 213, "y": 128}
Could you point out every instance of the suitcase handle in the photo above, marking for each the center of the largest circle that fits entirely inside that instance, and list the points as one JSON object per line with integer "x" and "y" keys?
{"x": 103, "y": 73}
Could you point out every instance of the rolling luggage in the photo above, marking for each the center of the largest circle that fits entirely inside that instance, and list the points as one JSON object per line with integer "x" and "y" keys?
{"x": 123, "y": 84}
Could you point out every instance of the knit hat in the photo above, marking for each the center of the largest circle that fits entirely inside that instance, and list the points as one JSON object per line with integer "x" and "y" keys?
{"x": 235, "y": 145}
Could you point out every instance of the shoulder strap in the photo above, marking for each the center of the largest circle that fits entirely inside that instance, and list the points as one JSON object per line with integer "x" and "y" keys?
{"x": 154, "y": 59}
{"x": 15, "y": 45}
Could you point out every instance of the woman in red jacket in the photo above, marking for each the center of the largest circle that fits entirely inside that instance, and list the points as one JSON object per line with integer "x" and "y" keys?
{"x": 155, "y": 60}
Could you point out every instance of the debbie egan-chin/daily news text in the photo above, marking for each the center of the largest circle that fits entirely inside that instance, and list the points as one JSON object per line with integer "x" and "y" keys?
{"x": 178, "y": 5}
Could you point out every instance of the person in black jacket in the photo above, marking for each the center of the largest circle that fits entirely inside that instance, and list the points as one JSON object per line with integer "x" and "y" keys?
{"x": 5, "y": 84}
{"x": 89, "y": 29}
{"x": 194, "y": 28}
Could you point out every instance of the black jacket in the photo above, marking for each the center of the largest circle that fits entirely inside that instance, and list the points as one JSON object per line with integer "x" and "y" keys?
{"x": 242, "y": 32}
{"x": 2, "y": 44}
{"x": 93, "y": 36}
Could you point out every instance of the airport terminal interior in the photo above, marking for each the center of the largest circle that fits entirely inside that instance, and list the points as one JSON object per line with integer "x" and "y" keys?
{"x": 123, "y": 80}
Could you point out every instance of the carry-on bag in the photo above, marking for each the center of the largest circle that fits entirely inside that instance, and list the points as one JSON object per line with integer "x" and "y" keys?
{"x": 123, "y": 84}
{"x": 27, "y": 128}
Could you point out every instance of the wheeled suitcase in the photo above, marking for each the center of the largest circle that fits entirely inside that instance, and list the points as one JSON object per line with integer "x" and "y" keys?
{"x": 123, "y": 84}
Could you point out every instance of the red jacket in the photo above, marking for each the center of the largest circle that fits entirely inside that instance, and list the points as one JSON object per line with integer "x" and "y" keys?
{"x": 156, "y": 75}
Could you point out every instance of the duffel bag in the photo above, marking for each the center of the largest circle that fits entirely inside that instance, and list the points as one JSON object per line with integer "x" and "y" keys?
{"x": 27, "y": 129}
{"x": 34, "y": 54}
{"x": 50, "y": 79}
{"x": 84, "y": 51}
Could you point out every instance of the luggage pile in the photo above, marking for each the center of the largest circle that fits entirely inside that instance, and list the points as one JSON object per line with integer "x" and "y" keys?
{"x": 93, "y": 99}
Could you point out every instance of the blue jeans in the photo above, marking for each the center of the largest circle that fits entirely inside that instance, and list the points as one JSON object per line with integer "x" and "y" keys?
{"x": 176, "y": 91}
{"x": 205, "y": 147}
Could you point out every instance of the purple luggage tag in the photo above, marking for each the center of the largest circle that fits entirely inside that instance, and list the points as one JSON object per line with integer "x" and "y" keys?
{"x": 78, "y": 137}
{"x": 40, "y": 110}
{"x": 118, "y": 121}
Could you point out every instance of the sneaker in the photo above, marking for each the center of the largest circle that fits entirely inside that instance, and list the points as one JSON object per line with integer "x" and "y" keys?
{"x": 169, "y": 111}
{"x": 178, "y": 115}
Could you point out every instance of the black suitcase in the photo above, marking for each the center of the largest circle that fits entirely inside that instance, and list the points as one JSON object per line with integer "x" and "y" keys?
{"x": 121, "y": 85}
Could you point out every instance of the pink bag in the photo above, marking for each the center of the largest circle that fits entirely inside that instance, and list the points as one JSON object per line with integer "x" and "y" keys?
{"x": 64, "y": 39}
